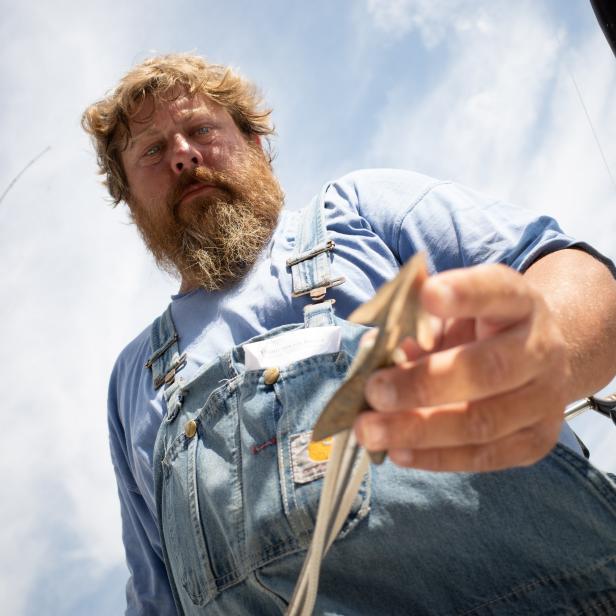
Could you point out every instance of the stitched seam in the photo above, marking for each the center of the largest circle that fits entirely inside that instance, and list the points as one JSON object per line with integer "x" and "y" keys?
{"x": 608, "y": 602}
{"x": 537, "y": 582}
{"x": 410, "y": 208}
{"x": 594, "y": 482}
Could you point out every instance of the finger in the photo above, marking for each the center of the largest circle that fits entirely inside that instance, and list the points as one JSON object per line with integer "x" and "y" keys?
{"x": 411, "y": 350}
{"x": 460, "y": 424}
{"x": 522, "y": 448}
{"x": 369, "y": 338}
{"x": 470, "y": 372}
{"x": 456, "y": 333}
{"x": 429, "y": 332}
{"x": 494, "y": 292}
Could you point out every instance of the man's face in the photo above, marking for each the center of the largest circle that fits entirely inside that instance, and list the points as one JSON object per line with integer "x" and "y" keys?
{"x": 201, "y": 193}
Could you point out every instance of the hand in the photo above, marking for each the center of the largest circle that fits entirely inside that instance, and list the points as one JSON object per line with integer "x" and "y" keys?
{"x": 490, "y": 396}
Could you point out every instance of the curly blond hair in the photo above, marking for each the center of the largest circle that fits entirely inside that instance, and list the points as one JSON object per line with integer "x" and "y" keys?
{"x": 163, "y": 78}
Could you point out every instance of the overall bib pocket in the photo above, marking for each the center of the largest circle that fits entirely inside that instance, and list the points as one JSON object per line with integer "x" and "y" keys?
{"x": 302, "y": 392}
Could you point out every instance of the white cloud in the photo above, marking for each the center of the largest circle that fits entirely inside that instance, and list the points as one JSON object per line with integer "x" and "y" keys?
{"x": 566, "y": 174}
{"x": 80, "y": 286}
{"x": 504, "y": 116}
{"x": 475, "y": 123}
{"x": 77, "y": 284}
{"x": 65, "y": 283}
{"x": 433, "y": 19}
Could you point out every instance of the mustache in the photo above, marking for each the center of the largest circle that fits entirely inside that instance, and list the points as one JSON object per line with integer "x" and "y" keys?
{"x": 199, "y": 175}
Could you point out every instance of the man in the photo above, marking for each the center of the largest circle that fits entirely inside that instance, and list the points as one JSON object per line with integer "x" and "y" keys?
{"x": 210, "y": 434}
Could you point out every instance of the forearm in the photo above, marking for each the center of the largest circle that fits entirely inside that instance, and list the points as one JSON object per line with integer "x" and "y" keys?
{"x": 581, "y": 293}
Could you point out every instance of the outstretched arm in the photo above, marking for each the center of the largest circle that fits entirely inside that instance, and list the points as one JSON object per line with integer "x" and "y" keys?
{"x": 515, "y": 350}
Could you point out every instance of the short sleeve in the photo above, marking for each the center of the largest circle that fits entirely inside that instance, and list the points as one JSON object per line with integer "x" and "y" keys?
{"x": 458, "y": 227}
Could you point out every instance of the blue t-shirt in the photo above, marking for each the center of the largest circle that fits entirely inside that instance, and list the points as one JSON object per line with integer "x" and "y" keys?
{"x": 378, "y": 219}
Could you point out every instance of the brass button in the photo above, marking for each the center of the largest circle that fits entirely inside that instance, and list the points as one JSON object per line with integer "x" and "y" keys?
{"x": 271, "y": 375}
{"x": 190, "y": 428}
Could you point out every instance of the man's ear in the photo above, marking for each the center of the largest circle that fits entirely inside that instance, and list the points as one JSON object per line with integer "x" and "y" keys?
{"x": 257, "y": 139}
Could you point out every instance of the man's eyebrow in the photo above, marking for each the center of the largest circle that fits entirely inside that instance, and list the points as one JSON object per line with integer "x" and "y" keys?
{"x": 142, "y": 135}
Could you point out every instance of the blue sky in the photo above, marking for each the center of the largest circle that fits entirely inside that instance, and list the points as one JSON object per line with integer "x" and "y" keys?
{"x": 478, "y": 91}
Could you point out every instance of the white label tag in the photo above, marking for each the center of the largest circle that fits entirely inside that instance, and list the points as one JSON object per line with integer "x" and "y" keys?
{"x": 309, "y": 458}
{"x": 292, "y": 346}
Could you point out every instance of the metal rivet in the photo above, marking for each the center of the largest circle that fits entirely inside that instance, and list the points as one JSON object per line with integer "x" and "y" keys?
{"x": 271, "y": 375}
{"x": 190, "y": 428}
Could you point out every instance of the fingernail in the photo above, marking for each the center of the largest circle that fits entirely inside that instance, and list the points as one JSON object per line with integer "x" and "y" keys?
{"x": 403, "y": 457}
{"x": 373, "y": 436}
{"x": 381, "y": 394}
{"x": 445, "y": 294}
{"x": 398, "y": 356}
{"x": 367, "y": 340}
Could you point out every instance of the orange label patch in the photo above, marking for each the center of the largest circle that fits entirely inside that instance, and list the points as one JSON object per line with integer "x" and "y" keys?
{"x": 309, "y": 458}
{"x": 318, "y": 451}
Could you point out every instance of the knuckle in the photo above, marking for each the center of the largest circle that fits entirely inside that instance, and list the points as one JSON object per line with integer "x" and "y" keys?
{"x": 414, "y": 429}
{"x": 495, "y": 368}
{"x": 402, "y": 457}
{"x": 433, "y": 459}
{"x": 421, "y": 389}
{"x": 548, "y": 349}
{"x": 563, "y": 372}
{"x": 555, "y": 399}
{"x": 539, "y": 352}
{"x": 481, "y": 425}
{"x": 540, "y": 441}
{"x": 484, "y": 459}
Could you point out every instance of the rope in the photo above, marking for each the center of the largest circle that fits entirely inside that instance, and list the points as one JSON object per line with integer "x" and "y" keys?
{"x": 14, "y": 180}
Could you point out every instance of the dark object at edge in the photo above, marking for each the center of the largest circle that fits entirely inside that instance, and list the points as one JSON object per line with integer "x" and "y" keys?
{"x": 605, "y": 406}
{"x": 605, "y": 11}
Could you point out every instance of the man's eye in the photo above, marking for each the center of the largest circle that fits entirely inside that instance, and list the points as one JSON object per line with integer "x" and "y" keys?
{"x": 152, "y": 151}
{"x": 203, "y": 130}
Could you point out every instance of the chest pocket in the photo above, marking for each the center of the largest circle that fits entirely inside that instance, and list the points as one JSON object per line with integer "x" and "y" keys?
{"x": 282, "y": 504}
{"x": 302, "y": 395}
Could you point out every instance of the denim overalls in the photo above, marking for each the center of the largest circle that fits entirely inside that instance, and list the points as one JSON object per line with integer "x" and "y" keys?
{"x": 236, "y": 511}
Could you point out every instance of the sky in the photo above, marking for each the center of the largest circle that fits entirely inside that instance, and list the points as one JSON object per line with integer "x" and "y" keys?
{"x": 484, "y": 92}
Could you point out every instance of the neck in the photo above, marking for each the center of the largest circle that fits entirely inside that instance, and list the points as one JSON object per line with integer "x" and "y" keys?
{"x": 187, "y": 286}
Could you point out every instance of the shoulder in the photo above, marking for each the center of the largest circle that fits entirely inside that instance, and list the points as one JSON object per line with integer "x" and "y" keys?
{"x": 384, "y": 188}
{"x": 382, "y": 197}
{"x": 452, "y": 223}
{"x": 137, "y": 349}
{"x": 129, "y": 371}
{"x": 377, "y": 200}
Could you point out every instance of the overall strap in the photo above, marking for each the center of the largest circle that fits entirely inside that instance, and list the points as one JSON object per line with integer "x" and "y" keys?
{"x": 165, "y": 360}
{"x": 309, "y": 264}
{"x": 319, "y": 315}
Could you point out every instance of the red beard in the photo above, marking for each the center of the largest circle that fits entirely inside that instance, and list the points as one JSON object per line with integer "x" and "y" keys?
{"x": 213, "y": 239}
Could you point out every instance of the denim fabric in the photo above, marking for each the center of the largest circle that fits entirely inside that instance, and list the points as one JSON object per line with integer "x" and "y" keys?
{"x": 378, "y": 219}
{"x": 234, "y": 526}
{"x": 240, "y": 454}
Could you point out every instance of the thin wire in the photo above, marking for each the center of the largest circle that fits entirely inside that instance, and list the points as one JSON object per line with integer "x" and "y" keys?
{"x": 592, "y": 128}
{"x": 14, "y": 180}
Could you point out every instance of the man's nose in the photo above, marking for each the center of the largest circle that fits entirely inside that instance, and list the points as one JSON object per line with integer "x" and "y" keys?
{"x": 184, "y": 155}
